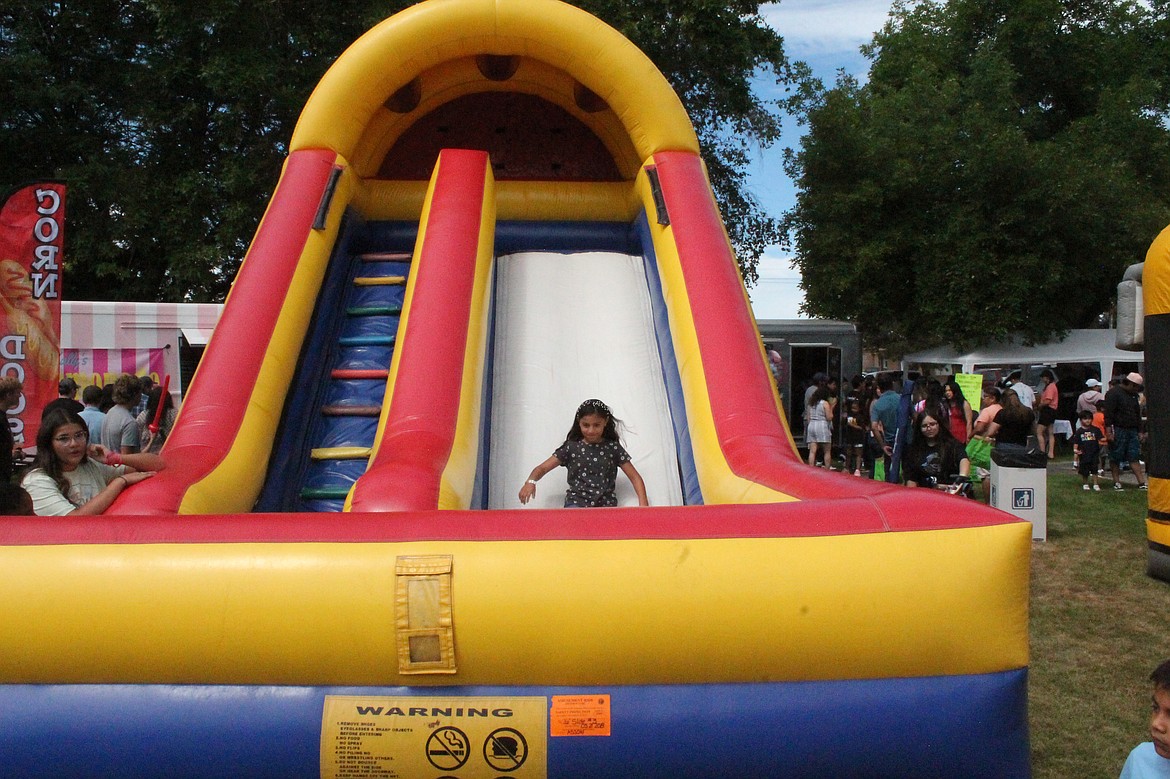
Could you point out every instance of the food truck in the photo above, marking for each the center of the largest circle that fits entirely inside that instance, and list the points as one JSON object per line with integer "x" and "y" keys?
{"x": 101, "y": 340}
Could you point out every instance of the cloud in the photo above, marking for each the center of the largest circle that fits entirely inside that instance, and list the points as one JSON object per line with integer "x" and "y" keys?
{"x": 817, "y": 27}
{"x": 777, "y": 263}
{"x": 777, "y": 294}
{"x": 827, "y": 35}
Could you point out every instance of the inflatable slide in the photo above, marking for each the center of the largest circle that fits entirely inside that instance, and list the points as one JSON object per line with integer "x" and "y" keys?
{"x": 492, "y": 210}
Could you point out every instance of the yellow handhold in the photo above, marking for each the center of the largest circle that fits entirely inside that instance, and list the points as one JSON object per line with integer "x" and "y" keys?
{"x": 341, "y": 453}
{"x": 379, "y": 281}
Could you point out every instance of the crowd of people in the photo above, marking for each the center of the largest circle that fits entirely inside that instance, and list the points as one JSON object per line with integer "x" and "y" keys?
{"x": 950, "y": 436}
{"x": 88, "y": 451}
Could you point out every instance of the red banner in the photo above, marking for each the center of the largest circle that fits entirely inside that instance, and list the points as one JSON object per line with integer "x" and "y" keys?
{"x": 32, "y": 240}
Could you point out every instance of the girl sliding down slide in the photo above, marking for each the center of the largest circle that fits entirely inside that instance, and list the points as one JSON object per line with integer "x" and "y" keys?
{"x": 592, "y": 452}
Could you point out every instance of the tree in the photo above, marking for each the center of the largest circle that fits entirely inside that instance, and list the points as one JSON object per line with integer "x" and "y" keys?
{"x": 170, "y": 120}
{"x": 709, "y": 51}
{"x": 1003, "y": 164}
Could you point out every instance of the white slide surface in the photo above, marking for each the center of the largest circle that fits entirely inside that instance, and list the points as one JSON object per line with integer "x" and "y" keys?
{"x": 570, "y": 327}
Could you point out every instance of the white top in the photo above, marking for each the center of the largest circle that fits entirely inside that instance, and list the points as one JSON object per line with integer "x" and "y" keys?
{"x": 85, "y": 483}
{"x": 1026, "y": 394}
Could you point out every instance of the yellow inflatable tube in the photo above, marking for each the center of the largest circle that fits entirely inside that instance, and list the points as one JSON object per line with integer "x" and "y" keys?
{"x": 758, "y": 609}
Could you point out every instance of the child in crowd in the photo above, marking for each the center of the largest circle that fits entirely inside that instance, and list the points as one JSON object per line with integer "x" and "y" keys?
{"x": 979, "y": 447}
{"x": 593, "y": 453}
{"x": 856, "y": 425}
{"x": 1087, "y": 444}
{"x": 1099, "y": 423}
{"x": 819, "y": 435}
{"x": 1151, "y": 759}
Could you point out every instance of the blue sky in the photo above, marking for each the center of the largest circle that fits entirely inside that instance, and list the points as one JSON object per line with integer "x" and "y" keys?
{"x": 827, "y": 34}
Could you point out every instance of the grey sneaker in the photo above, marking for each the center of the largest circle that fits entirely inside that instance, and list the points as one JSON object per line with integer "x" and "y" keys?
{"x": 1117, "y": 486}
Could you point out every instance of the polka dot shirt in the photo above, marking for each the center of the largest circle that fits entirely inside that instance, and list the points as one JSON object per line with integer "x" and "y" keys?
{"x": 592, "y": 471}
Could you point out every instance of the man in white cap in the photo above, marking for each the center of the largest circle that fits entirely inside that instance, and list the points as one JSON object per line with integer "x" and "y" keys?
{"x": 1123, "y": 420}
{"x": 1087, "y": 400}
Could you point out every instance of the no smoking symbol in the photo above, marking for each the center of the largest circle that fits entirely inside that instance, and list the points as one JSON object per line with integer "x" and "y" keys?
{"x": 447, "y": 749}
{"x": 505, "y": 749}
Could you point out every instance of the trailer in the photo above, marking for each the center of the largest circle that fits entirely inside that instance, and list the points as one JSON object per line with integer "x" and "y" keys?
{"x": 807, "y": 347}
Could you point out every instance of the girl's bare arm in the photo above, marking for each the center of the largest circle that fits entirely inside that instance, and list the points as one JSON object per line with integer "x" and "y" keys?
{"x": 528, "y": 491}
{"x": 636, "y": 479}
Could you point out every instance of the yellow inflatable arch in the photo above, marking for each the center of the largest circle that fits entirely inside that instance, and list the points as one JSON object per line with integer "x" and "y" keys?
{"x": 434, "y": 53}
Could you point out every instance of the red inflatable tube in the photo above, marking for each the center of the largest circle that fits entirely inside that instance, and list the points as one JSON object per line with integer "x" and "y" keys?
{"x": 898, "y": 510}
{"x": 406, "y": 470}
{"x": 747, "y": 421}
{"x": 215, "y": 405}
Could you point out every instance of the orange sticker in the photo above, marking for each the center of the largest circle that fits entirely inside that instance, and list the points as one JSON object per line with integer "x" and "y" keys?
{"x": 579, "y": 715}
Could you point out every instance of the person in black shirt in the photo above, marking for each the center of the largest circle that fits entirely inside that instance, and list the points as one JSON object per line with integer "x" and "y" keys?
{"x": 1123, "y": 420}
{"x": 1087, "y": 443}
{"x": 1013, "y": 424}
{"x": 66, "y": 389}
{"x": 934, "y": 458}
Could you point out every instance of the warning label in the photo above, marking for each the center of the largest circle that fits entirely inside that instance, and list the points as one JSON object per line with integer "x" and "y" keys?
{"x": 371, "y": 737}
{"x": 579, "y": 715}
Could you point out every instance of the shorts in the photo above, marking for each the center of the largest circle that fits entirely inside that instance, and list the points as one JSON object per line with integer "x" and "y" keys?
{"x": 1047, "y": 416}
{"x": 819, "y": 432}
{"x": 1087, "y": 466}
{"x": 1125, "y": 447}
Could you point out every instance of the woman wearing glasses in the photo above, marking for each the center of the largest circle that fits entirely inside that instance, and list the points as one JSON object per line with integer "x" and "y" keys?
{"x": 71, "y": 476}
{"x": 934, "y": 458}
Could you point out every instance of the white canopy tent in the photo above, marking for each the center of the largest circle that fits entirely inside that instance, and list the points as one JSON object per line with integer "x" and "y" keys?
{"x": 1096, "y": 350}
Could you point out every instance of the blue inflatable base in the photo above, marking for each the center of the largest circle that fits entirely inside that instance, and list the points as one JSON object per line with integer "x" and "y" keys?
{"x": 937, "y": 727}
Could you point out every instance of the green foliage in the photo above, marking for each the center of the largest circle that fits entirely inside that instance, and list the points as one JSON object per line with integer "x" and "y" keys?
{"x": 170, "y": 120}
{"x": 1001, "y": 167}
{"x": 709, "y": 50}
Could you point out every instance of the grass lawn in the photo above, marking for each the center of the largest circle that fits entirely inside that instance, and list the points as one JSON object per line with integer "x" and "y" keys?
{"x": 1099, "y": 626}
